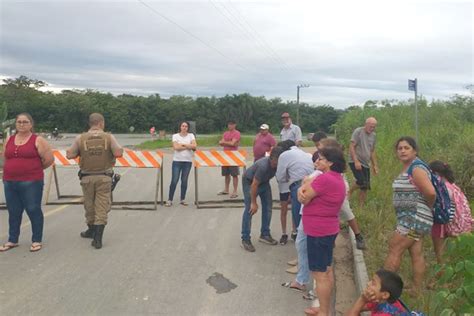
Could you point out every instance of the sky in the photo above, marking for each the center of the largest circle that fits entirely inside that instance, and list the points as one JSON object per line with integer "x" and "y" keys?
{"x": 348, "y": 52}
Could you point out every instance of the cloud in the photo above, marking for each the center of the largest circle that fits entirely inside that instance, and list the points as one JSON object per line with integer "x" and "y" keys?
{"x": 348, "y": 52}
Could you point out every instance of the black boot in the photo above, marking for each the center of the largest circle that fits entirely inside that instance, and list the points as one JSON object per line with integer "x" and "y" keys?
{"x": 89, "y": 233}
{"x": 99, "y": 231}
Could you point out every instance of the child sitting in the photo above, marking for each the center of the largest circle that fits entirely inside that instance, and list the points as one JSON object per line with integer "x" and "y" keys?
{"x": 381, "y": 296}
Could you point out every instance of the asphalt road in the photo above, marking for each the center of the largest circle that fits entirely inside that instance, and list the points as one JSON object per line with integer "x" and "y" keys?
{"x": 173, "y": 261}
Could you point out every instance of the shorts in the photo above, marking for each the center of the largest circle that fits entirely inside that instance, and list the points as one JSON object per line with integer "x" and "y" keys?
{"x": 362, "y": 176}
{"x": 320, "y": 252}
{"x": 409, "y": 233}
{"x": 232, "y": 171}
{"x": 439, "y": 231}
{"x": 346, "y": 214}
{"x": 284, "y": 196}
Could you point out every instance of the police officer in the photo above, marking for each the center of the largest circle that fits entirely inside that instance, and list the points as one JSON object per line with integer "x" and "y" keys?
{"x": 97, "y": 151}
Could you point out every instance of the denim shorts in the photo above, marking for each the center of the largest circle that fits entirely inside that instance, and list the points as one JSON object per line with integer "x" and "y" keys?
{"x": 284, "y": 196}
{"x": 320, "y": 252}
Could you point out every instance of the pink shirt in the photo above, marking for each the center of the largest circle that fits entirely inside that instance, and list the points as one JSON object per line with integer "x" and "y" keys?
{"x": 262, "y": 144}
{"x": 229, "y": 136}
{"x": 321, "y": 214}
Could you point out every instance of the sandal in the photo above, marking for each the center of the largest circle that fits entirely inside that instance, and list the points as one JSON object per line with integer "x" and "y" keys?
{"x": 184, "y": 203}
{"x": 233, "y": 195}
{"x": 310, "y": 296}
{"x": 310, "y": 311}
{"x": 8, "y": 246}
{"x": 292, "y": 286}
{"x": 222, "y": 193}
{"x": 36, "y": 247}
{"x": 168, "y": 203}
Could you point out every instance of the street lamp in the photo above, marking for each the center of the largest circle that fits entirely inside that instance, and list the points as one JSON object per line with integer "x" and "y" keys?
{"x": 298, "y": 101}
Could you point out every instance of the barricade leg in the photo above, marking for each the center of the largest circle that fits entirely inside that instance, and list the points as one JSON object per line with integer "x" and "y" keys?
{"x": 196, "y": 197}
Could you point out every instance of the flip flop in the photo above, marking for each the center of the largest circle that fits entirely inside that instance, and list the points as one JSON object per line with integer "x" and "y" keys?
{"x": 6, "y": 247}
{"x": 292, "y": 270}
{"x": 222, "y": 193}
{"x": 310, "y": 296}
{"x": 310, "y": 311}
{"x": 234, "y": 196}
{"x": 35, "y": 248}
{"x": 292, "y": 287}
{"x": 293, "y": 262}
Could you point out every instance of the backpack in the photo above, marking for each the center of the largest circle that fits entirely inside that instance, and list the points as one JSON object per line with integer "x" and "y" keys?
{"x": 462, "y": 221}
{"x": 443, "y": 212}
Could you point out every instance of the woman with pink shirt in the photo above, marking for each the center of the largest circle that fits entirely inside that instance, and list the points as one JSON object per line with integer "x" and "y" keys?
{"x": 322, "y": 199}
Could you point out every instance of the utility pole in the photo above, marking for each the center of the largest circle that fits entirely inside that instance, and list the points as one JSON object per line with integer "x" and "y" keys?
{"x": 298, "y": 101}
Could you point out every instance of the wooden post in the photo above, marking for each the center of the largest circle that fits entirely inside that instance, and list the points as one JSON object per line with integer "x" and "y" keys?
{"x": 196, "y": 196}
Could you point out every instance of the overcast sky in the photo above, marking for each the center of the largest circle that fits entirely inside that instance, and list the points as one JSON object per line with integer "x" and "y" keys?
{"x": 347, "y": 51}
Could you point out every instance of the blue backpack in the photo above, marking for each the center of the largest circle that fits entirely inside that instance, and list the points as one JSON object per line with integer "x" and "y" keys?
{"x": 443, "y": 212}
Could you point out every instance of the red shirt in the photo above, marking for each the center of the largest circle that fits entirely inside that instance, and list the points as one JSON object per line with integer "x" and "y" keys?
{"x": 23, "y": 162}
{"x": 229, "y": 136}
{"x": 262, "y": 144}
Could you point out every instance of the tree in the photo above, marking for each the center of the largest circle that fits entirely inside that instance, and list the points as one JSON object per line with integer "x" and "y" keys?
{"x": 24, "y": 82}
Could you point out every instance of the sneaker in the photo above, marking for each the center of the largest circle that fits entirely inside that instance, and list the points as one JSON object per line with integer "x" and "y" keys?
{"x": 268, "y": 240}
{"x": 360, "y": 243}
{"x": 168, "y": 203}
{"x": 293, "y": 236}
{"x": 247, "y": 245}
{"x": 283, "y": 239}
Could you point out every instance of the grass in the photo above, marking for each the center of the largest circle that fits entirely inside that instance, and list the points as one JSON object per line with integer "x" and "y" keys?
{"x": 205, "y": 141}
{"x": 444, "y": 135}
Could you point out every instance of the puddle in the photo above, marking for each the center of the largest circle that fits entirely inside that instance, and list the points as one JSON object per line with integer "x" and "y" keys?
{"x": 220, "y": 283}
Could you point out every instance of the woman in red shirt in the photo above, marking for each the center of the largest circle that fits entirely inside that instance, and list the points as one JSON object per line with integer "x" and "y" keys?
{"x": 26, "y": 155}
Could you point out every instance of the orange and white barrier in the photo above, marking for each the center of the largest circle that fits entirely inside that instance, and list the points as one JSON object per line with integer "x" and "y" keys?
{"x": 215, "y": 158}
{"x": 219, "y": 158}
{"x": 130, "y": 159}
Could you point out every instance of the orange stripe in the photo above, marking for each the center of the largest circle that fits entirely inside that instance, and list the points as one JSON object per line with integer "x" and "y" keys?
{"x": 159, "y": 154}
{"x": 123, "y": 162}
{"x": 203, "y": 156}
{"x": 151, "y": 159}
{"x": 196, "y": 164}
{"x": 243, "y": 153}
{"x": 61, "y": 158}
{"x": 218, "y": 156}
{"x": 235, "y": 158}
{"x": 135, "y": 159}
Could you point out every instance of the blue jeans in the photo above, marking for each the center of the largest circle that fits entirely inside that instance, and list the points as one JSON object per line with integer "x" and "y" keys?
{"x": 295, "y": 204}
{"x": 264, "y": 191}
{"x": 24, "y": 195}
{"x": 183, "y": 168}
{"x": 303, "y": 275}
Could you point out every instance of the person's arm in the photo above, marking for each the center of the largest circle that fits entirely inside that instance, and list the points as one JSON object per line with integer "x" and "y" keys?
{"x": 373, "y": 159}
{"x": 352, "y": 151}
{"x": 253, "y": 196}
{"x": 193, "y": 145}
{"x": 4, "y": 145}
{"x": 117, "y": 150}
{"x": 423, "y": 183}
{"x": 306, "y": 193}
{"x": 358, "y": 307}
{"x": 299, "y": 137}
{"x": 73, "y": 151}
{"x": 178, "y": 146}
{"x": 281, "y": 174}
{"x": 45, "y": 152}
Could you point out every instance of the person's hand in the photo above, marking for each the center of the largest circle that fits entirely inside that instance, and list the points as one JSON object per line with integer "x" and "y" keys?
{"x": 301, "y": 195}
{"x": 369, "y": 296}
{"x": 376, "y": 170}
{"x": 358, "y": 165}
{"x": 253, "y": 208}
{"x": 220, "y": 142}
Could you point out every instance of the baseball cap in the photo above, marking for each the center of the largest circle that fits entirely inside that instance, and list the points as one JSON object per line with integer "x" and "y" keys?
{"x": 285, "y": 114}
{"x": 264, "y": 126}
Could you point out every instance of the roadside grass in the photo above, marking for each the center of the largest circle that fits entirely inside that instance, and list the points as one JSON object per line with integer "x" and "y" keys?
{"x": 444, "y": 135}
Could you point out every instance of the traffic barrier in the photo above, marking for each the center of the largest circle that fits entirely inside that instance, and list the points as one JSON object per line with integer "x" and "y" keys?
{"x": 130, "y": 159}
{"x": 217, "y": 158}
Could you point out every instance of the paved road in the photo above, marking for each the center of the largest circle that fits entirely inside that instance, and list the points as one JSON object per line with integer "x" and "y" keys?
{"x": 153, "y": 262}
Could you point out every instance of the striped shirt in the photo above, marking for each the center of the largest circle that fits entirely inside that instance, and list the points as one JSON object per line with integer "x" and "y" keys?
{"x": 411, "y": 207}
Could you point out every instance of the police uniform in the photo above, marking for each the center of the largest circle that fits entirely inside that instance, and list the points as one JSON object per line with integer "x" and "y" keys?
{"x": 96, "y": 151}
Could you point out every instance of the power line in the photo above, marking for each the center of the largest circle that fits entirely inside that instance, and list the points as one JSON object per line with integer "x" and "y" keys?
{"x": 239, "y": 26}
{"x": 261, "y": 39}
{"x": 192, "y": 35}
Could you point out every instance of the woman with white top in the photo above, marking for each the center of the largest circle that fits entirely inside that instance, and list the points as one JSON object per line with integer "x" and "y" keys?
{"x": 184, "y": 144}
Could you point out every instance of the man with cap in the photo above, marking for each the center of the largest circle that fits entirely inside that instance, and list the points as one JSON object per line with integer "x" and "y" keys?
{"x": 290, "y": 131}
{"x": 97, "y": 150}
{"x": 263, "y": 143}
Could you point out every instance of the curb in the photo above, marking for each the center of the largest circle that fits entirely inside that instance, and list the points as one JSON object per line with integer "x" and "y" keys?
{"x": 361, "y": 277}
